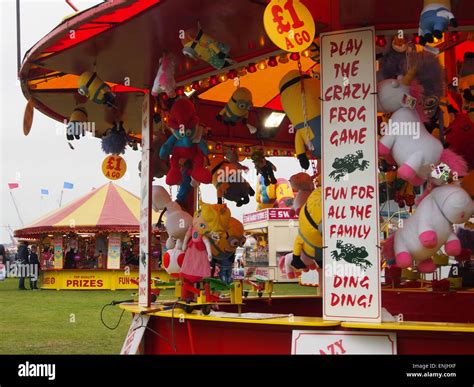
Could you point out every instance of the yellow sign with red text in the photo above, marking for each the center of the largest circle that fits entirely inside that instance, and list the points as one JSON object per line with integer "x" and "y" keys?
{"x": 289, "y": 24}
{"x": 114, "y": 167}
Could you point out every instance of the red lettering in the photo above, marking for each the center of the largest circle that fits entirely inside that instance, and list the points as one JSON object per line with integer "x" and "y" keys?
{"x": 346, "y": 114}
{"x": 335, "y": 193}
{"x": 362, "y": 192}
{"x": 348, "y": 136}
{"x": 338, "y": 212}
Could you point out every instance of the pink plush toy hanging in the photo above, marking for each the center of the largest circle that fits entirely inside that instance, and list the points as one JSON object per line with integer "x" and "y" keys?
{"x": 164, "y": 80}
{"x": 430, "y": 228}
{"x": 405, "y": 140}
{"x": 303, "y": 185}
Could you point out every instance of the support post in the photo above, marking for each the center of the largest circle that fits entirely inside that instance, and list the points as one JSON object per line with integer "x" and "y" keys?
{"x": 144, "y": 286}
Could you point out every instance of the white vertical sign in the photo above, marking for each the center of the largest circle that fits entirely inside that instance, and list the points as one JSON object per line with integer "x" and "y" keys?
{"x": 135, "y": 334}
{"x": 351, "y": 281}
{"x": 145, "y": 208}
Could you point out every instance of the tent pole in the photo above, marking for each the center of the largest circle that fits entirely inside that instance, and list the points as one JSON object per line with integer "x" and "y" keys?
{"x": 16, "y": 208}
{"x": 18, "y": 37}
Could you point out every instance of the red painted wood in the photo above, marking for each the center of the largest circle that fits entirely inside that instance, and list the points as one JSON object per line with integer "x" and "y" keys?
{"x": 236, "y": 338}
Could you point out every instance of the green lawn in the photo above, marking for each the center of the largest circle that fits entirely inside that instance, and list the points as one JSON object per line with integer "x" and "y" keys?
{"x": 68, "y": 322}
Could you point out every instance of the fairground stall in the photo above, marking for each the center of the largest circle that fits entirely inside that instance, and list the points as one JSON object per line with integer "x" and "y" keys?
{"x": 270, "y": 236}
{"x": 381, "y": 93}
{"x": 92, "y": 243}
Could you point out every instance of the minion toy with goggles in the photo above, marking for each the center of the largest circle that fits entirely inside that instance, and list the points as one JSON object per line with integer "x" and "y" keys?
{"x": 238, "y": 107}
{"x": 95, "y": 89}
{"x": 186, "y": 146}
{"x": 223, "y": 250}
{"x": 307, "y": 134}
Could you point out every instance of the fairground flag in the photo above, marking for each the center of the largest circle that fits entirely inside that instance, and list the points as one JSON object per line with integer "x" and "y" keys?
{"x": 68, "y": 185}
{"x": 13, "y": 185}
{"x": 44, "y": 191}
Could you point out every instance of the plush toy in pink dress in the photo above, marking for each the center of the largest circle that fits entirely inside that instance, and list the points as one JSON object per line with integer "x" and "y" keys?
{"x": 197, "y": 256}
{"x": 210, "y": 220}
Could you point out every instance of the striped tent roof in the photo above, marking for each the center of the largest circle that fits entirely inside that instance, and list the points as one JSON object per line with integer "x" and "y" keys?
{"x": 108, "y": 208}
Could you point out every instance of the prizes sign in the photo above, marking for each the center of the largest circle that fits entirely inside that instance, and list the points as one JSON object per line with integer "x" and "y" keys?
{"x": 289, "y": 25}
{"x": 351, "y": 284}
{"x": 114, "y": 167}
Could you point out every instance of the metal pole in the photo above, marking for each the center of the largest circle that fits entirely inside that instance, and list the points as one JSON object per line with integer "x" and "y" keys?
{"x": 18, "y": 36}
{"x": 61, "y": 198}
{"x": 16, "y": 207}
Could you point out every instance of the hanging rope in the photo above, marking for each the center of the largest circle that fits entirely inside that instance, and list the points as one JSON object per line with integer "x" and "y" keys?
{"x": 303, "y": 104}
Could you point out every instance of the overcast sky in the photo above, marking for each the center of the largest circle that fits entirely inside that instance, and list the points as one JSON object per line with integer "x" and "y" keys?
{"x": 44, "y": 159}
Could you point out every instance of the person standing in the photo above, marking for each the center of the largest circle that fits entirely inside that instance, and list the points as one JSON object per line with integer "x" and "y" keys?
{"x": 21, "y": 264}
{"x": 34, "y": 265}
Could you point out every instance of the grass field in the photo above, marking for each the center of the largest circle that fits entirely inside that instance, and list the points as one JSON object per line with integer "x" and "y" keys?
{"x": 68, "y": 322}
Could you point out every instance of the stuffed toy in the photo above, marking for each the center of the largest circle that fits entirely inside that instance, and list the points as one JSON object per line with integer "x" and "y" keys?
{"x": 309, "y": 240}
{"x": 94, "y": 88}
{"x": 284, "y": 194}
{"x": 265, "y": 195}
{"x": 393, "y": 60}
{"x": 177, "y": 221}
{"x": 160, "y": 166}
{"x": 237, "y": 109}
{"x": 229, "y": 181}
{"x": 186, "y": 145}
{"x": 435, "y": 18}
{"x": 466, "y": 84}
{"x": 303, "y": 185}
{"x": 210, "y": 221}
{"x": 232, "y": 156}
{"x": 173, "y": 261}
{"x": 285, "y": 265}
{"x": 115, "y": 139}
{"x": 460, "y": 138}
{"x": 76, "y": 125}
{"x": 264, "y": 167}
{"x": 198, "y": 45}
{"x": 430, "y": 228}
{"x": 418, "y": 152}
{"x": 307, "y": 134}
{"x": 279, "y": 195}
{"x": 223, "y": 250}
{"x": 164, "y": 80}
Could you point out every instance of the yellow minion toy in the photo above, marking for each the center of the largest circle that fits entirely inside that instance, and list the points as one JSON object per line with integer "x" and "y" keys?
{"x": 307, "y": 134}
{"x": 204, "y": 47}
{"x": 225, "y": 247}
{"x": 237, "y": 109}
{"x": 309, "y": 239}
{"x": 76, "y": 127}
{"x": 95, "y": 89}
